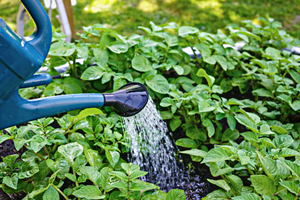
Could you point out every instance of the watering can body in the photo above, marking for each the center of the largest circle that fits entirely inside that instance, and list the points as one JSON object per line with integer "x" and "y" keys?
{"x": 21, "y": 57}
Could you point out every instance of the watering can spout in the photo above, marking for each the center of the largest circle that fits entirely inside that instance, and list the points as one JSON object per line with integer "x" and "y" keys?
{"x": 128, "y": 100}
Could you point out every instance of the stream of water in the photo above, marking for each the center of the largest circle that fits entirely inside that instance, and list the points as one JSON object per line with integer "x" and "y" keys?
{"x": 152, "y": 149}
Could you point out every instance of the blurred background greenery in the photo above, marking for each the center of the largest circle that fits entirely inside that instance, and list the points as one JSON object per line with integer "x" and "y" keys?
{"x": 208, "y": 15}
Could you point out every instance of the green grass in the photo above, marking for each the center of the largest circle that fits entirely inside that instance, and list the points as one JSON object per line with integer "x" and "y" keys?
{"x": 208, "y": 15}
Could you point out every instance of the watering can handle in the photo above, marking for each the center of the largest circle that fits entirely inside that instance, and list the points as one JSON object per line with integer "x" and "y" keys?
{"x": 41, "y": 39}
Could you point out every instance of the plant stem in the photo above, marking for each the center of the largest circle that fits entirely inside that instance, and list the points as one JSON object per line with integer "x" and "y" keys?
{"x": 60, "y": 192}
{"x": 40, "y": 156}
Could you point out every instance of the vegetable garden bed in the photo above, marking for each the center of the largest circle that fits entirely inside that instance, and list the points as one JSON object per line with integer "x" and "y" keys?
{"x": 233, "y": 114}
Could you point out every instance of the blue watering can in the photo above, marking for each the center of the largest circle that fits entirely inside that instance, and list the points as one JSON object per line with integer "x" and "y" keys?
{"x": 21, "y": 57}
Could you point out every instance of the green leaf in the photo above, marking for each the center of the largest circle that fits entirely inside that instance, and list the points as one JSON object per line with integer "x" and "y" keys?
{"x": 120, "y": 175}
{"x": 295, "y": 105}
{"x": 204, "y": 50}
{"x": 194, "y": 133}
{"x": 175, "y": 123}
{"x": 70, "y": 151}
{"x": 28, "y": 169}
{"x": 118, "y": 47}
{"x": 93, "y": 158}
{"x": 210, "y": 128}
{"x": 188, "y": 143}
{"x": 262, "y": 93}
{"x": 269, "y": 166}
{"x": 222, "y": 61}
{"x": 220, "y": 183}
{"x": 71, "y": 86}
{"x": 283, "y": 141}
{"x": 176, "y": 194}
{"x": 171, "y": 40}
{"x": 179, "y": 70}
{"x": 72, "y": 177}
{"x": 230, "y": 135}
{"x": 247, "y": 196}
{"x": 10, "y": 160}
{"x": 80, "y": 161}
{"x": 166, "y": 101}
{"x": 263, "y": 185}
{"x": 4, "y": 138}
{"x": 218, "y": 171}
{"x": 113, "y": 157}
{"x": 250, "y": 35}
{"x": 92, "y": 73}
{"x": 89, "y": 111}
{"x": 217, "y": 155}
{"x": 291, "y": 186}
{"x": 158, "y": 84}
{"x": 274, "y": 53}
{"x": 293, "y": 167}
{"x": 235, "y": 182}
{"x": 51, "y": 194}
{"x": 231, "y": 121}
{"x": 92, "y": 174}
{"x": 38, "y": 142}
{"x": 243, "y": 157}
{"x": 89, "y": 192}
{"x": 202, "y": 73}
{"x": 218, "y": 195}
{"x": 187, "y": 30}
{"x": 11, "y": 181}
{"x": 141, "y": 63}
{"x": 250, "y": 136}
{"x": 137, "y": 174}
{"x": 102, "y": 56}
{"x": 195, "y": 152}
{"x": 242, "y": 119}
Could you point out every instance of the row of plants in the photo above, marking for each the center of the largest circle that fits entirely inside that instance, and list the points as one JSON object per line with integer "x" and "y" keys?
{"x": 238, "y": 111}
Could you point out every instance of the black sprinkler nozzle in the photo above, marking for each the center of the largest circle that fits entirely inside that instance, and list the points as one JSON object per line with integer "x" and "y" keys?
{"x": 129, "y": 100}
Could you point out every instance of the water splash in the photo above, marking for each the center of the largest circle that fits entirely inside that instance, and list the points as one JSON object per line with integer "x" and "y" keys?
{"x": 152, "y": 149}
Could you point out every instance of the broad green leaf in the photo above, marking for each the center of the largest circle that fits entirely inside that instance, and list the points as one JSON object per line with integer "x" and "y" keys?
{"x": 179, "y": 70}
{"x": 230, "y": 135}
{"x": 92, "y": 174}
{"x": 118, "y": 47}
{"x": 269, "y": 166}
{"x": 274, "y": 53}
{"x": 195, "y": 152}
{"x": 204, "y": 50}
{"x": 263, "y": 185}
{"x": 291, "y": 186}
{"x": 80, "y": 162}
{"x": 231, "y": 121}
{"x": 283, "y": 141}
{"x": 176, "y": 194}
{"x": 71, "y": 86}
{"x": 286, "y": 152}
{"x": 194, "y": 133}
{"x": 141, "y": 63}
{"x": 89, "y": 192}
{"x": 89, "y": 111}
{"x": 112, "y": 156}
{"x": 10, "y": 160}
{"x": 11, "y": 181}
{"x": 102, "y": 56}
{"x": 92, "y": 73}
{"x": 217, "y": 171}
{"x": 137, "y": 174}
{"x": 4, "y": 138}
{"x": 61, "y": 165}
{"x": 293, "y": 167}
{"x": 38, "y": 142}
{"x": 28, "y": 169}
{"x": 171, "y": 40}
{"x": 279, "y": 129}
{"x": 184, "y": 31}
{"x": 72, "y": 177}
{"x": 218, "y": 195}
{"x": 120, "y": 175}
{"x": 70, "y": 151}
{"x": 202, "y": 73}
{"x": 295, "y": 75}
{"x": 166, "y": 101}
{"x": 158, "y": 84}
{"x": 262, "y": 92}
{"x": 235, "y": 182}
{"x": 243, "y": 157}
{"x": 247, "y": 196}
{"x": 242, "y": 119}
{"x": 253, "y": 117}
{"x": 220, "y": 183}
{"x": 222, "y": 61}
{"x": 217, "y": 155}
{"x": 93, "y": 158}
{"x": 295, "y": 105}
{"x": 188, "y": 143}
{"x": 51, "y": 194}
{"x": 251, "y": 136}
{"x": 175, "y": 123}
